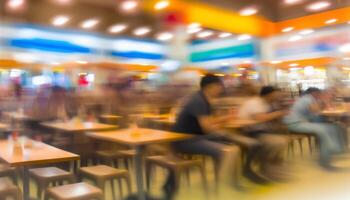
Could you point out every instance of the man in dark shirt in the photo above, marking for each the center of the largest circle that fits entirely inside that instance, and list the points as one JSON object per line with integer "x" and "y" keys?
{"x": 196, "y": 119}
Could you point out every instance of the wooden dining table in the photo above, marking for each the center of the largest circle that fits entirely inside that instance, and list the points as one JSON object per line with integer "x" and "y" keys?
{"x": 78, "y": 126}
{"x": 33, "y": 153}
{"x": 138, "y": 138}
{"x": 241, "y": 123}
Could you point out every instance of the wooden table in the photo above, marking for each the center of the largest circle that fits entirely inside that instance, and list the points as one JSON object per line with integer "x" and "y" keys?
{"x": 335, "y": 113}
{"x": 18, "y": 116}
{"x": 139, "y": 138}
{"x": 113, "y": 117}
{"x": 241, "y": 123}
{"x": 36, "y": 153}
{"x": 78, "y": 127}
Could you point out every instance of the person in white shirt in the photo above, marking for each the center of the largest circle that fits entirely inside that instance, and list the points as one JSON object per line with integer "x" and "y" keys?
{"x": 260, "y": 108}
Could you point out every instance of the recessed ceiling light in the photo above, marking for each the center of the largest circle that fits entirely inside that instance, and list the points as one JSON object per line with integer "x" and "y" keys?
{"x": 14, "y": 4}
{"x": 128, "y": 5}
{"x": 161, "y": 5}
{"x": 225, "y": 64}
{"x": 248, "y": 11}
{"x": 275, "y": 62}
{"x": 194, "y": 25}
{"x": 194, "y": 30}
{"x": 224, "y": 35}
{"x": 293, "y": 65}
{"x": 64, "y": 2}
{"x": 142, "y": 31}
{"x": 244, "y": 37}
{"x": 306, "y": 32}
{"x": 317, "y": 6}
{"x": 205, "y": 34}
{"x": 287, "y": 29}
{"x": 291, "y": 2}
{"x": 331, "y": 21}
{"x": 83, "y": 62}
{"x": 295, "y": 38}
{"x": 165, "y": 36}
{"x": 60, "y": 20}
{"x": 345, "y": 48}
{"x": 90, "y": 23}
{"x": 117, "y": 28}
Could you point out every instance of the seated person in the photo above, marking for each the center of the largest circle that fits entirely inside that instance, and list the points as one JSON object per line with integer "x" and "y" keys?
{"x": 196, "y": 119}
{"x": 260, "y": 108}
{"x": 305, "y": 118}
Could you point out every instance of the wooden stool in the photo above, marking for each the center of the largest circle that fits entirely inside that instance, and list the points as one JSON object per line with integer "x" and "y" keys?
{"x": 100, "y": 174}
{"x": 8, "y": 189}
{"x": 6, "y": 171}
{"x": 176, "y": 165}
{"x": 76, "y": 191}
{"x": 113, "y": 156}
{"x": 49, "y": 175}
{"x": 299, "y": 137}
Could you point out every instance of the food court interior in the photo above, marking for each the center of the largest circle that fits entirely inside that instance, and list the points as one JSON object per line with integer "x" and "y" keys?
{"x": 96, "y": 99}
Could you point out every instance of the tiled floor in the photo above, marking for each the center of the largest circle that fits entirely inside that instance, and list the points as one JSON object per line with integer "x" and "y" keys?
{"x": 308, "y": 182}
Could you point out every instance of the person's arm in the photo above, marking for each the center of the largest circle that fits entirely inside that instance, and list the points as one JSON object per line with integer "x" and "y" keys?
{"x": 265, "y": 117}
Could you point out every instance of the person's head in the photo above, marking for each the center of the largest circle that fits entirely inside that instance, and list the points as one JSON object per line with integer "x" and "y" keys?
{"x": 315, "y": 92}
{"x": 270, "y": 93}
{"x": 212, "y": 85}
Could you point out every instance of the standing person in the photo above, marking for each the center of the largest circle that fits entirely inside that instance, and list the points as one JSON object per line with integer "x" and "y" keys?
{"x": 261, "y": 109}
{"x": 305, "y": 118}
{"x": 196, "y": 119}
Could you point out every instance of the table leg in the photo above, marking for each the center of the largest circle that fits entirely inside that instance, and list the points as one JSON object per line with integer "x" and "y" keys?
{"x": 25, "y": 174}
{"x": 139, "y": 173}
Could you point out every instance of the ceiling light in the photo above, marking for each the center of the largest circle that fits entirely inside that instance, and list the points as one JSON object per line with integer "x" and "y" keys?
{"x": 60, "y": 20}
{"x": 287, "y": 29}
{"x": 194, "y": 25}
{"x": 142, "y": 31}
{"x": 194, "y": 30}
{"x": 205, "y": 34}
{"x": 345, "y": 48}
{"x": 291, "y": 2}
{"x": 224, "y": 35}
{"x": 306, "y": 32}
{"x": 331, "y": 21}
{"x": 117, "y": 28}
{"x": 161, "y": 5}
{"x": 295, "y": 38}
{"x": 165, "y": 36}
{"x": 128, "y": 5}
{"x": 346, "y": 58}
{"x": 83, "y": 62}
{"x": 64, "y": 2}
{"x": 275, "y": 62}
{"x": 317, "y": 6}
{"x": 244, "y": 37}
{"x": 293, "y": 65}
{"x": 90, "y": 23}
{"x": 346, "y": 68}
{"x": 248, "y": 11}
{"x": 13, "y": 4}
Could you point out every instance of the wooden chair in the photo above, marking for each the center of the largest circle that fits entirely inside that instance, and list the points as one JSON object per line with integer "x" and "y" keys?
{"x": 7, "y": 171}
{"x": 177, "y": 165}
{"x": 8, "y": 189}
{"x": 297, "y": 137}
{"x": 45, "y": 176}
{"x": 77, "y": 191}
{"x": 112, "y": 157}
{"x": 100, "y": 174}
